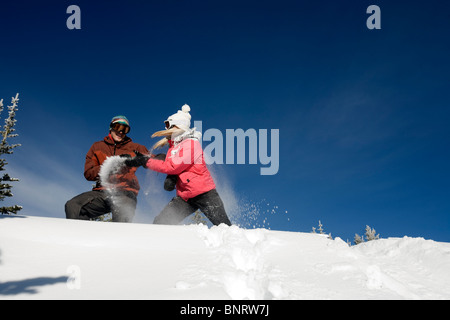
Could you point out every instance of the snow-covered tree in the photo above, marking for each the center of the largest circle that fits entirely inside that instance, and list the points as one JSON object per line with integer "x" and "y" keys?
{"x": 370, "y": 235}
{"x": 6, "y": 148}
{"x": 321, "y": 230}
{"x": 358, "y": 239}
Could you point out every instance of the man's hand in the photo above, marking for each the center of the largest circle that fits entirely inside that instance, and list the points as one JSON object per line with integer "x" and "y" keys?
{"x": 138, "y": 161}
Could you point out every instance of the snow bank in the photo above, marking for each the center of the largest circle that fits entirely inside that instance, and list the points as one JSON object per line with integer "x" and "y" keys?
{"x": 42, "y": 258}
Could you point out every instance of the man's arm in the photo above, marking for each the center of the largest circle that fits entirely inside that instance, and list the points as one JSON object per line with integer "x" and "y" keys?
{"x": 94, "y": 159}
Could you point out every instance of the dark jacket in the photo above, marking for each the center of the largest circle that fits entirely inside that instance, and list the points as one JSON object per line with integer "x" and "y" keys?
{"x": 126, "y": 180}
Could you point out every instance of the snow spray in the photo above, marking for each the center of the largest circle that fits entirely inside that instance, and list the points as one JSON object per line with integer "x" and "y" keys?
{"x": 243, "y": 211}
{"x": 110, "y": 168}
{"x": 254, "y": 214}
{"x": 154, "y": 197}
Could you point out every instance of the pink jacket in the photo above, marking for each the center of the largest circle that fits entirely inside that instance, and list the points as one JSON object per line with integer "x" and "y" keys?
{"x": 186, "y": 161}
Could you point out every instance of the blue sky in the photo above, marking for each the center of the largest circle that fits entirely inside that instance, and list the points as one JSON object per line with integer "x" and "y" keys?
{"x": 363, "y": 114}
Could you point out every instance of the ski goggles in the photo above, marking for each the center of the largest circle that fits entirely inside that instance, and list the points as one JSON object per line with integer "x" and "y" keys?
{"x": 121, "y": 128}
{"x": 168, "y": 125}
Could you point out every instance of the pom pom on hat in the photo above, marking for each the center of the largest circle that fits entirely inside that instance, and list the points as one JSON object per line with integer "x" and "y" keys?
{"x": 186, "y": 108}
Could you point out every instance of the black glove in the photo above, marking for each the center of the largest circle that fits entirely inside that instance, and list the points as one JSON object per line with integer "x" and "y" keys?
{"x": 170, "y": 182}
{"x": 138, "y": 161}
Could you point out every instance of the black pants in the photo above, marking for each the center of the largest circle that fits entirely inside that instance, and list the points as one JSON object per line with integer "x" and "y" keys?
{"x": 209, "y": 203}
{"x": 92, "y": 204}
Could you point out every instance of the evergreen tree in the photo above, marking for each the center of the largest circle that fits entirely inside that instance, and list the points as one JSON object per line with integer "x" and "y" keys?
{"x": 370, "y": 235}
{"x": 6, "y": 148}
{"x": 357, "y": 240}
{"x": 321, "y": 230}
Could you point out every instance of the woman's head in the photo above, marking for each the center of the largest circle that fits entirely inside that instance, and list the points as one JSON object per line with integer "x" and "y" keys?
{"x": 176, "y": 125}
{"x": 181, "y": 119}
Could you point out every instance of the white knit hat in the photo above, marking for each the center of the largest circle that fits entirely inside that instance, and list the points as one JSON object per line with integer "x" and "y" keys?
{"x": 181, "y": 119}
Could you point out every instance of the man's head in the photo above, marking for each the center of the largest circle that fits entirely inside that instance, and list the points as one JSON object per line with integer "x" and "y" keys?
{"x": 119, "y": 128}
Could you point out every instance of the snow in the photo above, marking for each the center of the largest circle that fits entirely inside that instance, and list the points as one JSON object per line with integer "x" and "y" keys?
{"x": 45, "y": 258}
{"x": 111, "y": 166}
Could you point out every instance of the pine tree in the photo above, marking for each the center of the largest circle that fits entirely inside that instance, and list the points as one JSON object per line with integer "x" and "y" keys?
{"x": 371, "y": 234}
{"x": 358, "y": 239}
{"x": 321, "y": 230}
{"x": 6, "y": 148}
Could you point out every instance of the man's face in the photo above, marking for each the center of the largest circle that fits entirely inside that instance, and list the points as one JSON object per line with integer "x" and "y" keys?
{"x": 119, "y": 132}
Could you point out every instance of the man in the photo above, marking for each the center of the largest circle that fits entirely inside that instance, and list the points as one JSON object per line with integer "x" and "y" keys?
{"x": 122, "y": 203}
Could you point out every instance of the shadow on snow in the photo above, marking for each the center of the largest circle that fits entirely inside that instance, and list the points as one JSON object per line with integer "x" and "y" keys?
{"x": 28, "y": 286}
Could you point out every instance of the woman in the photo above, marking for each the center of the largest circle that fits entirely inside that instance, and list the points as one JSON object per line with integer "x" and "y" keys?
{"x": 185, "y": 162}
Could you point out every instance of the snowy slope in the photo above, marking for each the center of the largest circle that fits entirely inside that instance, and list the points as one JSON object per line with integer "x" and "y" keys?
{"x": 42, "y": 258}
